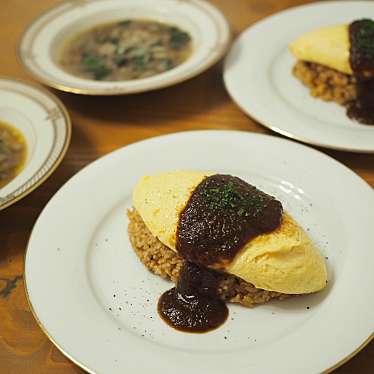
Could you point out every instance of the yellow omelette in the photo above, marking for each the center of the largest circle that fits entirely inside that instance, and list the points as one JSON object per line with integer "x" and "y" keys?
{"x": 284, "y": 260}
{"x": 328, "y": 46}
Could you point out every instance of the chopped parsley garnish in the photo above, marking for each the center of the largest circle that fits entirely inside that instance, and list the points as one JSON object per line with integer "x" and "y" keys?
{"x": 139, "y": 62}
{"x": 229, "y": 196}
{"x": 178, "y": 38}
{"x": 96, "y": 67}
{"x": 364, "y": 37}
{"x": 125, "y": 23}
{"x": 362, "y": 44}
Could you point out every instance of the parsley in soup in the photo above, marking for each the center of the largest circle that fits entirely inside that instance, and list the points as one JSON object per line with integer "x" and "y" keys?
{"x": 126, "y": 50}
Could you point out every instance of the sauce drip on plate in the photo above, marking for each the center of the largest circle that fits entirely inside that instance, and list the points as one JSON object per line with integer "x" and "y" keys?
{"x": 194, "y": 305}
{"x": 361, "y": 35}
{"x": 221, "y": 216}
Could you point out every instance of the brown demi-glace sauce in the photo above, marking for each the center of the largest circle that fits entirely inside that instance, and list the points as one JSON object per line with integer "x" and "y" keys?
{"x": 361, "y": 36}
{"x": 194, "y": 305}
{"x": 221, "y": 216}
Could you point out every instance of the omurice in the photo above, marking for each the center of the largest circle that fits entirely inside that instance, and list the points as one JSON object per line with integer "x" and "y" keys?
{"x": 337, "y": 64}
{"x": 219, "y": 239}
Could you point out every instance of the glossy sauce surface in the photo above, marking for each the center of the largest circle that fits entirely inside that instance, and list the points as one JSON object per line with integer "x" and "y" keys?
{"x": 361, "y": 35}
{"x": 221, "y": 216}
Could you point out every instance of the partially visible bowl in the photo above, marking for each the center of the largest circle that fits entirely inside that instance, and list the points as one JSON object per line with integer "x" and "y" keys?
{"x": 45, "y": 124}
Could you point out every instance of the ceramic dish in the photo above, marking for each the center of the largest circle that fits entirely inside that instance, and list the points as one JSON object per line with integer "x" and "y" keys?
{"x": 40, "y": 43}
{"x": 258, "y": 76}
{"x": 45, "y": 125}
{"x": 99, "y": 303}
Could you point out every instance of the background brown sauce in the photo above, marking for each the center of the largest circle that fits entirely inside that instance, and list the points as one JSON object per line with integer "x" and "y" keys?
{"x": 13, "y": 153}
{"x": 361, "y": 36}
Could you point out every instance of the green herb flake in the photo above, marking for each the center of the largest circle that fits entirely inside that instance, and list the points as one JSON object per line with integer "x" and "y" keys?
{"x": 169, "y": 64}
{"x": 121, "y": 61}
{"x": 228, "y": 197}
{"x": 102, "y": 72}
{"x": 91, "y": 62}
{"x": 158, "y": 43}
{"x": 241, "y": 211}
{"x": 113, "y": 40}
{"x": 95, "y": 66}
{"x": 178, "y": 39}
{"x": 363, "y": 38}
{"x": 125, "y": 23}
{"x": 139, "y": 62}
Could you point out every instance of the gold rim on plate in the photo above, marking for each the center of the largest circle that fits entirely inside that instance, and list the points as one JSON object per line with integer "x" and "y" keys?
{"x": 78, "y": 363}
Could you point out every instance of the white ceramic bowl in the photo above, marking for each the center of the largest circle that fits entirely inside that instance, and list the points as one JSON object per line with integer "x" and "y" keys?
{"x": 41, "y": 41}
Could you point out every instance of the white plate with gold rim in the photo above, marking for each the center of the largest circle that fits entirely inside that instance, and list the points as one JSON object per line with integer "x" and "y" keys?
{"x": 45, "y": 125}
{"x": 258, "y": 76}
{"x": 41, "y": 42}
{"x": 97, "y": 302}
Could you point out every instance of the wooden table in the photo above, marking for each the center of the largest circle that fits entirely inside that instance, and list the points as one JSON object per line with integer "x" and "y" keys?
{"x": 101, "y": 125}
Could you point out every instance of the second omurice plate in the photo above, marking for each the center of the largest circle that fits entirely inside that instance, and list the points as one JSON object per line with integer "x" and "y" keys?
{"x": 258, "y": 76}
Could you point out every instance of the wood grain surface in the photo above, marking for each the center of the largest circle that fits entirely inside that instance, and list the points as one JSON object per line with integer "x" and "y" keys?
{"x": 101, "y": 125}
